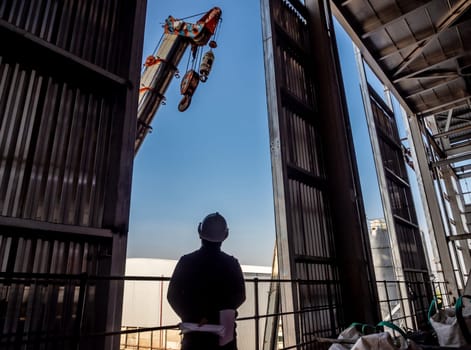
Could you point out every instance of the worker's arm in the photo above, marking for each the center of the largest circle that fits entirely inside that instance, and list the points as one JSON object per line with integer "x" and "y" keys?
{"x": 238, "y": 287}
{"x": 176, "y": 289}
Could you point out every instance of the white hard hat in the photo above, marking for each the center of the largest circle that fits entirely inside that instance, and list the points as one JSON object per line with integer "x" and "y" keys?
{"x": 213, "y": 228}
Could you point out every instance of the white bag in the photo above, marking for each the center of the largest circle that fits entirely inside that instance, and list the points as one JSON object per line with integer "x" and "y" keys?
{"x": 451, "y": 325}
{"x": 350, "y": 334}
{"x": 373, "y": 341}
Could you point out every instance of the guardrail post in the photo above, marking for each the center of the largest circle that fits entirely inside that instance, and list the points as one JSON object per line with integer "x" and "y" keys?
{"x": 81, "y": 307}
{"x": 257, "y": 315}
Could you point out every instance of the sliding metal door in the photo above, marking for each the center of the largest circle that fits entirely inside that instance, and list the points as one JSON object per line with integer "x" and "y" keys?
{"x": 321, "y": 229}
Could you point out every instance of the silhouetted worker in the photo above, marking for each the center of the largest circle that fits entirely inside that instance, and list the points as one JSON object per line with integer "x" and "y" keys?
{"x": 205, "y": 285}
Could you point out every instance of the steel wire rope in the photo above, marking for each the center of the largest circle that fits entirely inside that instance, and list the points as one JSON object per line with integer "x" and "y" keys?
{"x": 217, "y": 30}
{"x": 153, "y": 53}
{"x": 199, "y": 55}
{"x": 188, "y": 62}
{"x": 158, "y": 43}
{"x": 198, "y": 14}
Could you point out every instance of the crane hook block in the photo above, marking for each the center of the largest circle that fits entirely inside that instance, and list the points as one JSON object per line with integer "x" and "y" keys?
{"x": 187, "y": 88}
{"x": 206, "y": 65}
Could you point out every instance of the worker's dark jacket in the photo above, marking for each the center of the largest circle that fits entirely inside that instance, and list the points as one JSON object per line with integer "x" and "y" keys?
{"x": 203, "y": 283}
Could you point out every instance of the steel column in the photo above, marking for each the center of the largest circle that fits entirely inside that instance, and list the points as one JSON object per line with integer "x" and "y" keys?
{"x": 433, "y": 215}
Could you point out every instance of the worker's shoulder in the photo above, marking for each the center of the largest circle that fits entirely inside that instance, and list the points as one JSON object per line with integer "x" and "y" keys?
{"x": 229, "y": 257}
{"x": 190, "y": 255}
{"x": 202, "y": 255}
{"x": 188, "y": 258}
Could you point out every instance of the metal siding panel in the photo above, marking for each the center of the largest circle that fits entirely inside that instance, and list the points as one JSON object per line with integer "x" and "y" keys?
{"x": 31, "y": 21}
{"x": 16, "y": 12}
{"x": 81, "y": 155}
{"x": 80, "y": 29}
{"x": 102, "y": 163}
{"x": 24, "y": 142}
{"x": 42, "y": 154}
{"x": 53, "y": 156}
{"x": 101, "y": 39}
{"x": 67, "y": 210}
{"x": 59, "y": 136}
{"x": 311, "y": 231}
{"x": 65, "y": 18}
{"x": 6, "y": 131}
{"x": 88, "y": 169}
{"x": 114, "y": 45}
{"x": 3, "y": 6}
{"x": 50, "y": 21}
{"x": 13, "y": 143}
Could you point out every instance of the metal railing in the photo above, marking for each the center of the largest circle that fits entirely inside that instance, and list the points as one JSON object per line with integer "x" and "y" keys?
{"x": 28, "y": 301}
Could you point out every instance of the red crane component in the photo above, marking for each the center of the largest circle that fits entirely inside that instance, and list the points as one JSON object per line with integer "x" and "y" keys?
{"x": 200, "y": 32}
{"x": 159, "y": 69}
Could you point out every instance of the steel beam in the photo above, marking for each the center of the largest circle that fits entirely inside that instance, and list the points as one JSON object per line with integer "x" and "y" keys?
{"x": 453, "y": 190}
{"x": 433, "y": 215}
{"x": 455, "y": 12}
{"x": 452, "y": 131}
{"x": 278, "y": 175}
{"x": 459, "y": 150}
{"x": 395, "y": 20}
{"x": 460, "y": 237}
{"x": 450, "y": 160}
{"x": 434, "y": 86}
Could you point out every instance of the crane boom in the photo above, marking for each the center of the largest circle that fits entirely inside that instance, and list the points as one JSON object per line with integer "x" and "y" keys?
{"x": 160, "y": 69}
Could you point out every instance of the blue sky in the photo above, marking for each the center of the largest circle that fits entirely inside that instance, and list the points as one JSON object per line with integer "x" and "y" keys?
{"x": 212, "y": 157}
{"x": 215, "y": 156}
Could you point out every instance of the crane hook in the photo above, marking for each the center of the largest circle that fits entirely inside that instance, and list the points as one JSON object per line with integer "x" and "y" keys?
{"x": 187, "y": 88}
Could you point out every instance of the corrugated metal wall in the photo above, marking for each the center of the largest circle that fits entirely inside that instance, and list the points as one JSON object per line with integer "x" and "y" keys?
{"x": 69, "y": 73}
{"x": 321, "y": 236}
